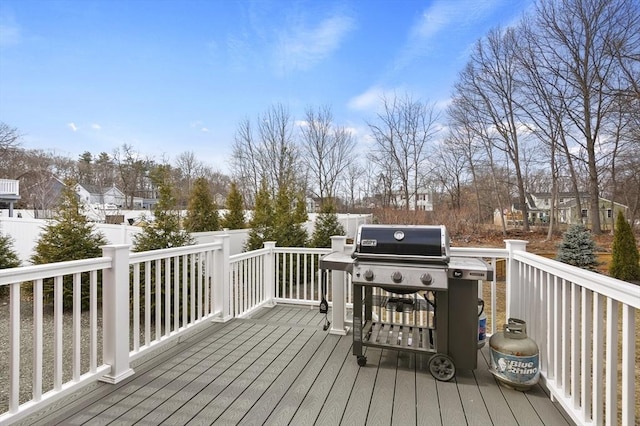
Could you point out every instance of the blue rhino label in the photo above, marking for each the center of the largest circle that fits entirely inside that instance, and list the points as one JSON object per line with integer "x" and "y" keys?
{"x": 519, "y": 370}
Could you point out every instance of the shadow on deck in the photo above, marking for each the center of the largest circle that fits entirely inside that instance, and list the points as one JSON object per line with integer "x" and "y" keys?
{"x": 279, "y": 367}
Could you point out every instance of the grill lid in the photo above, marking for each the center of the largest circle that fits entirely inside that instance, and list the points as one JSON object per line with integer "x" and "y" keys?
{"x": 399, "y": 243}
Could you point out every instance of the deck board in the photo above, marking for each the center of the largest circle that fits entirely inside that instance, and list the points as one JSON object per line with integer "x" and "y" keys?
{"x": 278, "y": 366}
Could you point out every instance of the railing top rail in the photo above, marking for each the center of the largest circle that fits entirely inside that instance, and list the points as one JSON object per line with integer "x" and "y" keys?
{"x": 302, "y": 250}
{"x": 173, "y": 251}
{"x": 34, "y": 272}
{"x": 248, "y": 254}
{"x": 479, "y": 252}
{"x": 613, "y": 288}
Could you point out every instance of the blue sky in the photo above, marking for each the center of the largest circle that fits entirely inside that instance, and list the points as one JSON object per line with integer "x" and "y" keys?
{"x": 167, "y": 77}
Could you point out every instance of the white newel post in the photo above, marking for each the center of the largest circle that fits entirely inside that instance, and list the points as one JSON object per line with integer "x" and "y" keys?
{"x": 338, "y": 311}
{"x": 222, "y": 291}
{"x": 115, "y": 312}
{"x": 513, "y": 287}
{"x": 269, "y": 274}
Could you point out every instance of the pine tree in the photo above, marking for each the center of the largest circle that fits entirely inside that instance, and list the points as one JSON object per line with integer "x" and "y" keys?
{"x": 327, "y": 225}
{"x": 69, "y": 236}
{"x": 288, "y": 226}
{"x": 578, "y": 248}
{"x": 164, "y": 231}
{"x": 234, "y": 218}
{"x": 625, "y": 257}
{"x": 202, "y": 212}
{"x": 261, "y": 222}
{"x": 8, "y": 258}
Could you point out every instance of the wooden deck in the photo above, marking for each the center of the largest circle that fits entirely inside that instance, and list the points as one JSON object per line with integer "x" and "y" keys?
{"x": 279, "y": 367}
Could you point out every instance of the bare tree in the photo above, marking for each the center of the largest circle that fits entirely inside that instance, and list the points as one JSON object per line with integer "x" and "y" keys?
{"x": 576, "y": 39}
{"x": 271, "y": 155}
{"x": 402, "y": 134}
{"x": 132, "y": 170}
{"x": 9, "y": 144}
{"x": 328, "y": 151}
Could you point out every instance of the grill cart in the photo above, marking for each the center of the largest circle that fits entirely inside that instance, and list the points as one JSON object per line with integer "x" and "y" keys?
{"x": 410, "y": 295}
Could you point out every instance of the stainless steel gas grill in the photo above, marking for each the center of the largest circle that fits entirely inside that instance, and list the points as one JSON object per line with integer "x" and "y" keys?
{"x": 409, "y": 294}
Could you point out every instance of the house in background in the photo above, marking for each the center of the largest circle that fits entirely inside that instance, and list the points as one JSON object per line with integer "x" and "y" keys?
{"x": 539, "y": 209}
{"x": 423, "y": 196}
{"x": 92, "y": 195}
{"x": 9, "y": 193}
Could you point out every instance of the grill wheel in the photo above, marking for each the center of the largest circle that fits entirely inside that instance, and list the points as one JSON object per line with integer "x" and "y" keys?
{"x": 441, "y": 367}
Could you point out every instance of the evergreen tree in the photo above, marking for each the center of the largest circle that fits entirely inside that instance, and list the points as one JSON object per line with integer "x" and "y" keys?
{"x": 327, "y": 225}
{"x": 625, "y": 258}
{"x": 261, "y": 222}
{"x": 202, "y": 213}
{"x": 234, "y": 218}
{"x": 288, "y": 223}
{"x": 69, "y": 236}
{"x": 578, "y": 248}
{"x": 164, "y": 231}
{"x": 8, "y": 258}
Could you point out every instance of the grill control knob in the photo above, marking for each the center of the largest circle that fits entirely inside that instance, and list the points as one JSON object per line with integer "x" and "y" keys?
{"x": 426, "y": 278}
{"x": 396, "y": 277}
{"x": 368, "y": 275}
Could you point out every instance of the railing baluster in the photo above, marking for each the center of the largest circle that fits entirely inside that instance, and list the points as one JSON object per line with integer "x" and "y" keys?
{"x": 176, "y": 293}
{"x": 185, "y": 286}
{"x": 147, "y": 303}
{"x": 575, "y": 345}
{"x": 77, "y": 314}
{"x": 611, "y": 390}
{"x": 566, "y": 343}
{"x": 167, "y": 296}
{"x": 585, "y": 349}
{"x": 136, "y": 307}
{"x": 38, "y": 295}
{"x": 158, "y": 299}
{"x": 93, "y": 321}
{"x": 14, "y": 337}
{"x": 628, "y": 367}
{"x": 598, "y": 359}
{"x": 57, "y": 339}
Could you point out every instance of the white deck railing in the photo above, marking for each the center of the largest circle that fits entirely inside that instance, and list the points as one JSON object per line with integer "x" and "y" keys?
{"x": 9, "y": 187}
{"x": 150, "y": 299}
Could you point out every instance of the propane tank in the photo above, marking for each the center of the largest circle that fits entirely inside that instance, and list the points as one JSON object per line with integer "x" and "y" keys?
{"x": 482, "y": 324}
{"x": 514, "y": 356}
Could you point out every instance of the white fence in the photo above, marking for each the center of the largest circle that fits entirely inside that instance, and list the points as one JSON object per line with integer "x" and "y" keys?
{"x": 25, "y": 232}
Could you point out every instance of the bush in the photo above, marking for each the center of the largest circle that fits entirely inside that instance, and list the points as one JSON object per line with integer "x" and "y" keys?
{"x": 327, "y": 225}
{"x": 625, "y": 258}
{"x": 578, "y": 248}
{"x": 69, "y": 236}
{"x": 8, "y": 258}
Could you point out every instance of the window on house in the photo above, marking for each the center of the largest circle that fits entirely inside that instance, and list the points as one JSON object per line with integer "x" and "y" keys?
{"x": 584, "y": 212}
{"x": 609, "y": 213}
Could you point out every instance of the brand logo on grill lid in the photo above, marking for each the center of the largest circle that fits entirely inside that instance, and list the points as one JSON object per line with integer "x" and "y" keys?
{"x": 369, "y": 243}
{"x": 398, "y": 235}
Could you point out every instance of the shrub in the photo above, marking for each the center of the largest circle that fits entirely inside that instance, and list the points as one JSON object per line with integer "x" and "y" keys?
{"x": 625, "y": 258}
{"x": 8, "y": 258}
{"x": 578, "y": 248}
{"x": 69, "y": 236}
{"x": 327, "y": 225}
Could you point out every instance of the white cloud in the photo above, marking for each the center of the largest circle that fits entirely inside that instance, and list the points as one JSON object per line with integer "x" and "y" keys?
{"x": 301, "y": 48}
{"x": 368, "y": 100}
{"x": 96, "y": 126}
{"x": 440, "y": 17}
{"x": 73, "y": 127}
{"x": 205, "y": 130}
